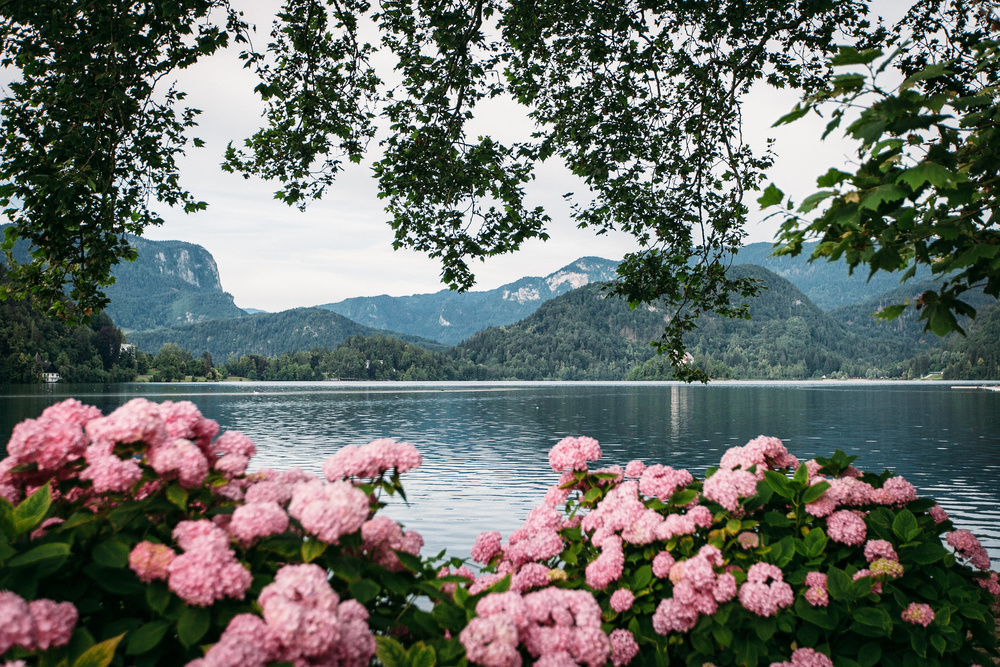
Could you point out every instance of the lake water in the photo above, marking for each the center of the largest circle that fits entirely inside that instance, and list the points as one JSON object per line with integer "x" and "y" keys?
{"x": 485, "y": 446}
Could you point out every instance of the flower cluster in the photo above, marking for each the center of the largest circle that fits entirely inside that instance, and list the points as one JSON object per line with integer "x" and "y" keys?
{"x": 765, "y": 590}
{"x": 763, "y": 452}
{"x": 35, "y": 625}
{"x": 698, "y": 589}
{"x": 968, "y": 547}
{"x": 806, "y": 657}
{"x": 816, "y": 593}
{"x": 918, "y": 614}
{"x": 556, "y": 626}
{"x": 573, "y": 454}
{"x": 372, "y": 460}
{"x": 383, "y": 537}
{"x": 207, "y": 570}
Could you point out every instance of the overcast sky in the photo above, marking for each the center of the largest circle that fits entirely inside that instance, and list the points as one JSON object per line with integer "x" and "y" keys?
{"x": 274, "y": 257}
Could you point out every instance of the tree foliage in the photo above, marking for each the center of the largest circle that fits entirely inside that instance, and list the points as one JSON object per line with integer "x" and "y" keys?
{"x": 925, "y": 190}
{"x": 641, "y": 100}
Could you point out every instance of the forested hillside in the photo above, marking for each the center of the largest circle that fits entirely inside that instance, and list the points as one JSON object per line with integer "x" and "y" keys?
{"x": 171, "y": 283}
{"x": 450, "y": 317}
{"x": 266, "y": 334}
{"x": 87, "y": 353}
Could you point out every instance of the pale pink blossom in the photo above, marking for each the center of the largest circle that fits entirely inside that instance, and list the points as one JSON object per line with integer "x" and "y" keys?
{"x": 968, "y": 547}
{"x": 46, "y": 442}
{"x": 698, "y": 590}
{"x": 531, "y": 575}
{"x": 659, "y": 481}
{"x": 372, "y": 460}
{"x": 573, "y": 453}
{"x": 17, "y": 625}
{"x": 748, "y": 540}
{"x": 623, "y": 647}
{"x": 184, "y": 420}
{"x": 765, "y": 591}
{"x": 180, "y": 458}
{"x": 382, "y": 537}
{"x": 138, "y": 421}
{"x": 875, "y": 549}
{"x": 491, "y": 642}
{"x": 896, "y": 491}
{"x": 207, "y": 570}
{"x": 54, "y": 623}
{"x": 876, "y": 584}
{"x": 268, "y": 490}
{"x": 107, "y": 472}
{"x": 846, "y": 527}
{"x": 662, "y": 562}
{"x": 938, "y": 514}
{"x": 634, "y": 469}
{"x": 608, "y": 566}
{"x": 487, "y": 547}
{"x": 806, "y": 657}
{"x": 886, "y": 569}
{"x": 622, "y": 599}
{"x": 918, "y": 614}
{"x": 726, "y": 487}
{"x": 151, "y": 561}
{"x": 763, "y": 452}
{"x": 255, "y": 520}
{"x": 329, "y": 511}
{"x": 247, "y": 642}
{"x": 990, "y": 583}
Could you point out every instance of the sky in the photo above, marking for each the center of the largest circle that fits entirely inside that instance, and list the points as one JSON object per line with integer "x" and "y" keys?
{"x": 273, "y": 257}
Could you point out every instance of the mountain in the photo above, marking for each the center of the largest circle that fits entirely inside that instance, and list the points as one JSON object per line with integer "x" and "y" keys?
{"x": 267, "y": 334}
{"x": 829, "y": 285}
{"x": 171, "y": 283}
{"x": 450, "y": 317}
{"x": 584, "y": 336}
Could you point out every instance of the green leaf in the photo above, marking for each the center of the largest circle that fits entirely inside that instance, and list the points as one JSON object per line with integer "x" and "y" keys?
{"x": 7, "y": 519}
{"x": 178, "y": 496}
{"x": 765, "y": 628}
{"x": 312, "y": 549}
{"x": 771, "y": 196}
{"x": 891, "y": 312}
{"x": 779, "y": 483}
{"x": 409, "y": 561}
{"x": 904, "y": 526}
{"x": 875, "y": 617}
{"x": 40, "y": 553}
{"x": 815, "y": 542}
{"x": 839, "y": 584}
{"x": 193, "y": 624}
{"x": 30, "y": 513}
{"x": 390, "y": 652}
{"x": 813, "y": 200}
{"x": 929, "y": 172}
{"x": 157, "y": 596}
{"x": 449, "y": 616}
{"x": 147, "y": 637}
{"x": 818, "y": 617}
{"x": 422, "y": 656}
{"x": 641, "y": 577}
{"x": 848, "y": 55}
{"x": 814, "y": 492}
{"x": 99, "y": 655}
{"x": 870, "y": 654}
{"x": 776, "y": 519}
{"x": 111, "y": 553}
{"x": 591, "y": 495}
{"x": 882, "y": 194}
{"x": 364, "y": 590}
{"x": 929, "y": 72}
{"x": 925, "y": 553}
{"x": 798, "y": 112}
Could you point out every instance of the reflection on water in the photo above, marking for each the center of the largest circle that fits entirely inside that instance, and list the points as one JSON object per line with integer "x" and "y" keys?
{"x": 485, "y": 446}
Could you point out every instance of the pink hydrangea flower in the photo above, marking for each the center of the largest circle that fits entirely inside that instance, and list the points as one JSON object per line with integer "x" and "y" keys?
{"x": 371, "y": 460}
{"x": 623, "y": 647}
{"x": 990, "y": 583}
{"x": 634, "y": 469}
{"x": 487, "y": 547}
{"x": 183, "y": 420}
{"x": 938, "y": 514}
{"x": 491, "y": 642}
{"x": 622, "y": 600}
{"x": 382, "y": 537}
{"x": 875, "y": 549}
{"x": 764, "y": 452}
{"x": 659, "y": 481}
{"x": 138, "y": 421}
{"x": 698, "y": 589}
{"x": 247, "y": 642}
{"x": 918, "y": 614}
{"x": 748, "y": 540}
{"x": 608, "y": 566}
{"x": 846, "y": 527}
{"x": 54, "y": 623}
{"x": 207, "y": 570}
{"x": 151, "y": 561}
{"x": 532, "y": 575}
{"x": 806, "y": 657}
{"x": 255, "y": 520}
{"x": 726, "y": 487}
{"x": 969, "y": 548}
{"x": 573, "y": 453}
{"x": 765, "y": 590}
{"x": 109, "y": 473}
{"x": 17, "y": 626}
{"x": 662, "y": 562}
{"x": 182, "y": 459}
{"x": 269, "y": 490}
{"x": 816, "y": 593}
{"x": 896, "y": 491}
{"x": 876, "y": 585}
{"x": 329, "y": 511}
{"x": 47, "y": 442}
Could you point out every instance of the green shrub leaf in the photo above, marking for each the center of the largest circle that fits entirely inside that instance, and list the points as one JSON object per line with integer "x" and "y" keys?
{"x": 312, "y": 549}
{"x": 642, "y": 577}
{"x": 111, "y": 553}
{"x": 40, "y": 553}
{"x": 364, "y": 590}
{"x": 193, "y": 624}
{"x": 390, "y": 652}
{"x": 99, "y": 655}
{"x": 905, "y": 526}
{"x": 146, "y": 638}
{"x": 30, "y": 513}
{"x": 177, "y": 496}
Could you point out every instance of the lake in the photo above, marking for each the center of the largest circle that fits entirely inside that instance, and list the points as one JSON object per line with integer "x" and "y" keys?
{"x": 485, "y": 445}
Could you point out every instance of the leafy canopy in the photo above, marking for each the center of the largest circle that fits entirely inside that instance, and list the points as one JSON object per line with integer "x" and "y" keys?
{"x": 642, "y": 100}
{"x": 924, "y": 192}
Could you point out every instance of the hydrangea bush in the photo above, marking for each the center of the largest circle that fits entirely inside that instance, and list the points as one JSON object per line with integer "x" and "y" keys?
{"x": 139, "y": 538}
